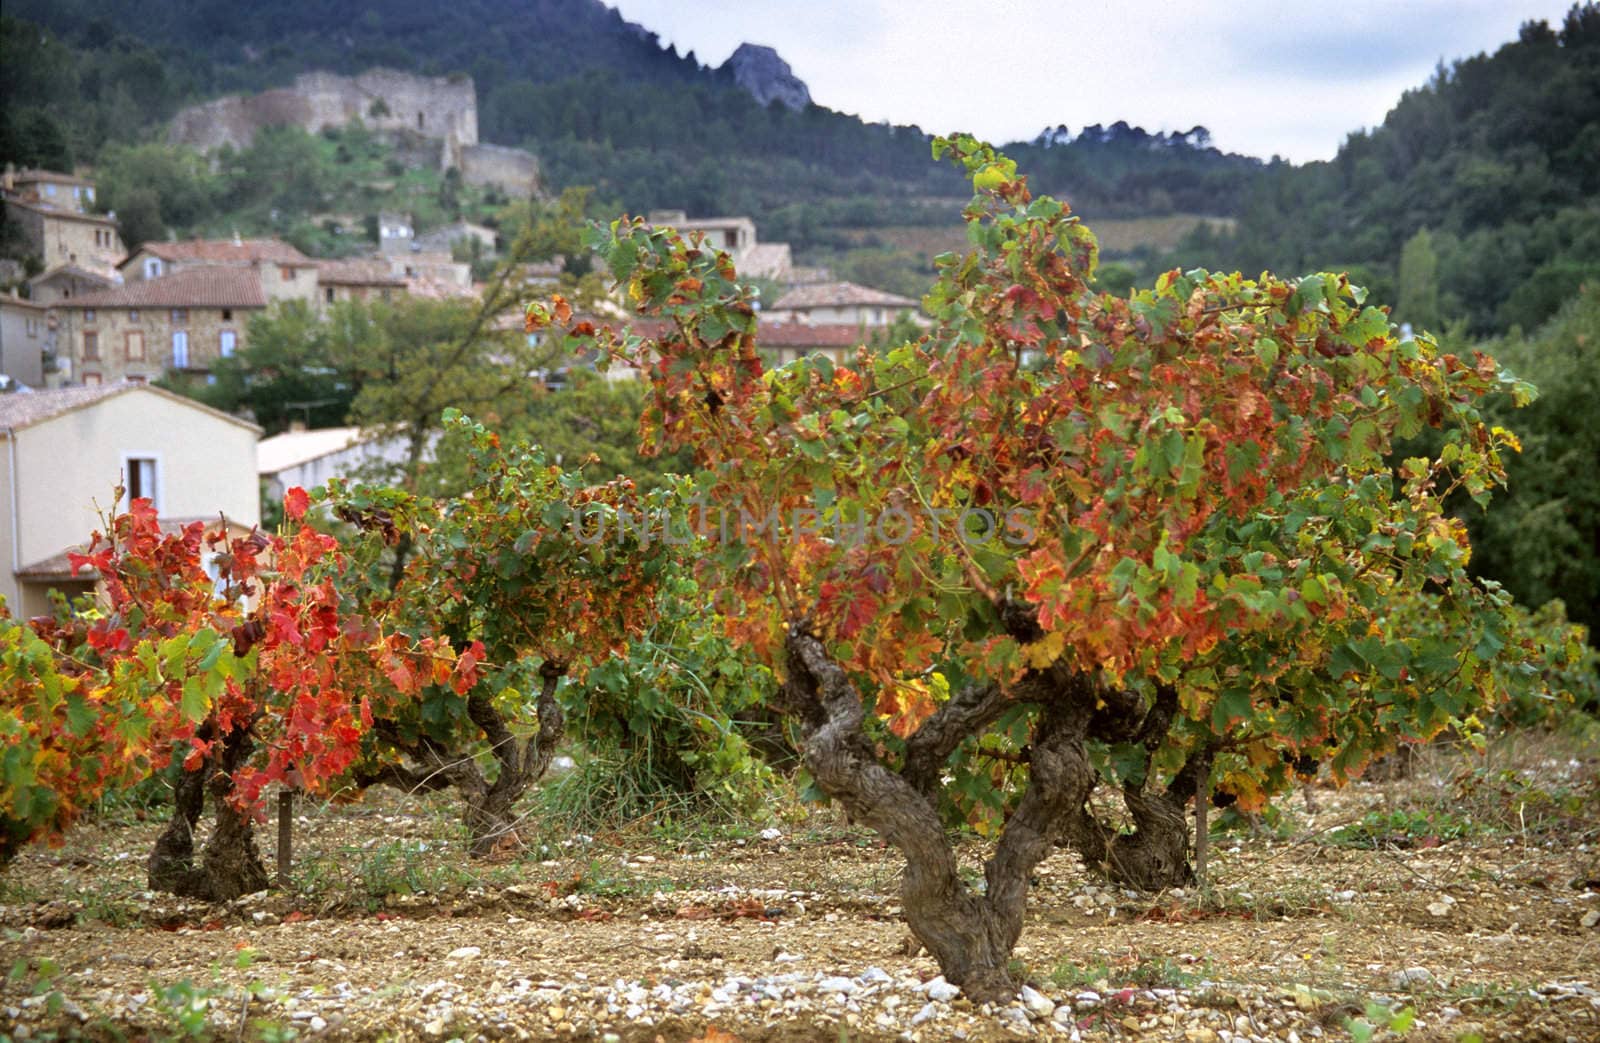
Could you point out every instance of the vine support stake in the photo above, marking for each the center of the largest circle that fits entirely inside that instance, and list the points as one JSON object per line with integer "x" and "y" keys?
{"x": 285, "y": 835}
{"x": 1202, "y": 830}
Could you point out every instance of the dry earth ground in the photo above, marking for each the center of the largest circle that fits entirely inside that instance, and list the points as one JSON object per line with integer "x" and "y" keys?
{"x": 793, "y": 933}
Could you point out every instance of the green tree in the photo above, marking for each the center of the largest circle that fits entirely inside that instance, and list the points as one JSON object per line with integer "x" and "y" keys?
{"x": 1419, "y": 283}
{"x": 139, "y": 218}
{"x": 1542, "y": 540}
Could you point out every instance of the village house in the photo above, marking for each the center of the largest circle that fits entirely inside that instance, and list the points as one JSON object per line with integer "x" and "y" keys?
{"x": 27, "y": 340}
{"x": 283, "y": 273}
{"x": 840, "y": 302}
{"x": 184, "y": 321}
{"x": 67, "y": 280}
{"x": 782, "y": 342}
{"x": 735, "y": 236}
{"x": 63, "y": 452}
{"x": 362, "y": 279}
{"x": 61, "y": 236}
{"x": 395, "y": 233}
{"x": 307, "y": 459}
{"x": 61, "y": 191}
{"x": 464, "y": 233}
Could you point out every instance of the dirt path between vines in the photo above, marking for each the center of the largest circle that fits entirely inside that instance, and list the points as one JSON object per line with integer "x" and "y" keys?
{"x": 794, "y": 934}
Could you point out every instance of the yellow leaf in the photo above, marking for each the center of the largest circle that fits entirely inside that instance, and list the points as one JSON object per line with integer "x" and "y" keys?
{"x": 1045, "y": 651}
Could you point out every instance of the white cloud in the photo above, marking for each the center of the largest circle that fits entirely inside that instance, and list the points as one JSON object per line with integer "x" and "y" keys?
{"x": 1291, "y": 79}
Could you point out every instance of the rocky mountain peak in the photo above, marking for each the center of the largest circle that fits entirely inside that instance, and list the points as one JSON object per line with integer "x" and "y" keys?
{"x": 766, "y": 76}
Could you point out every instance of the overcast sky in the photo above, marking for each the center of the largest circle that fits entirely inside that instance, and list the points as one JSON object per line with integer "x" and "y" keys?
{"x": 1284, "y": 77}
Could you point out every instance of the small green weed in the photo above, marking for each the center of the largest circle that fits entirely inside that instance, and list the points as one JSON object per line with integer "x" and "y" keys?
{"x": 1380, "y": 1018}
{"x": 1404, "y": 829}
{"x": 1163, "y": 973}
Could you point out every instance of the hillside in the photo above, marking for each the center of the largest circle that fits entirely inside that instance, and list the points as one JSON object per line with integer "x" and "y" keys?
{"x": 599, "y": 99}
{"x": 1474, "y": 201}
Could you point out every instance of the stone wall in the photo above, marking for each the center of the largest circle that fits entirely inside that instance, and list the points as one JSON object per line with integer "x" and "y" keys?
{"x": 150, "y": 331}
{"x": 441, "y": 108}
{"x": 511, "y": 168}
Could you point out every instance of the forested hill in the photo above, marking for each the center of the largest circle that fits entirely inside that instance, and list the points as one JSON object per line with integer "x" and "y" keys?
{"x": 1477, "y": 200}
{"x": 598, "y": 98}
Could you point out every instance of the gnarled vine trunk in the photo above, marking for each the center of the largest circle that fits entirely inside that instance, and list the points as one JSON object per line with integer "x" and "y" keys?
{"x": 489, "y": 808}
{"x": 970, "y": 935}
{"x": 1155, "y": 855}
{"x": 230, "y": 864}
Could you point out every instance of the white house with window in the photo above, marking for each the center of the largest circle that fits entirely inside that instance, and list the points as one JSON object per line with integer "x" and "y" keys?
{"x": 64, "y": 451}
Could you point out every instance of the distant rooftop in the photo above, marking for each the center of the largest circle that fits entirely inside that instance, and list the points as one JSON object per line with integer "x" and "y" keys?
{"x": 226, "y": 251}
{"x": 839, "y": 295}
{"x": 293, "y": 448}
{"x": 190, "y": 288}
{"x": 358, "y": 272}
{"x": 26, "y": 408}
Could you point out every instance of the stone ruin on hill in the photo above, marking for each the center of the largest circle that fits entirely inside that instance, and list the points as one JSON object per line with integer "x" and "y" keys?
{"x": 432, "y": 108}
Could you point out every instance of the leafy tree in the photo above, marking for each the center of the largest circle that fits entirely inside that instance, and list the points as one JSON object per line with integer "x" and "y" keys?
{"x": 591, "y": 427}
{"x": 1543, "y": 538}
{"x": 139, "y": 219}
{"x": 1068, "y": 539}
{"x": 178, "y": 178}
{"x": 1419, "y": 282}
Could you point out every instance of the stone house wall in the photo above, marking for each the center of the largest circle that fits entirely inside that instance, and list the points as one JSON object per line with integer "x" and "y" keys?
{"x": 119, "y": 355}
{"x": 61, "y": 238}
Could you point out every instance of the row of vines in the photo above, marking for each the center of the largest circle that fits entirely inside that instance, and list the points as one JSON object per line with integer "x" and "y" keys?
{"x": 1063, "y": 543}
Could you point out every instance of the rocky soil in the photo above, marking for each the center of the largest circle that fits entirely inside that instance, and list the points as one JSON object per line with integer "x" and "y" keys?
{"x": 794, "y": 933}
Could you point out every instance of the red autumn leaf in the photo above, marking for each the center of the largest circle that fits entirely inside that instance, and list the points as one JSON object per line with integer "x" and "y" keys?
{"x": 295, "y": 503}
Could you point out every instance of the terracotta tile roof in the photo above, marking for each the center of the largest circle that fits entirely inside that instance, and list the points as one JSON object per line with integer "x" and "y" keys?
{"x": 803, "y": 335}
{"x": 839, "y": 295}
{"x": 229, "y": 251}
{"x": 357, "y": 272}
{"x": 435, "y": 289}
{"x": 23, "y": 177}
{"x": 78, "y": 270}
{"x": 63, "y": 213}
{"x": 189, "y": 288}
{"x": 26, "y": 408}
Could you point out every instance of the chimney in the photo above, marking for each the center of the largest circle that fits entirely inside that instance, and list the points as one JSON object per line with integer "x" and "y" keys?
{"x": 236, "y": 240}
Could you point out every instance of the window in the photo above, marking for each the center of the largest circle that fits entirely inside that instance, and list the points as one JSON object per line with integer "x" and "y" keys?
{"x": 32, "y": 326}
{"x": 180, "y": 349}
{"x": 227, "y": 314}
{"x": 91, "y": 344}
{"x": 327, "y": 294}
{"x": 134, "y": 378}
{"x": 180, "y": 316}
{"x": 229, "y": 341}
{"x": 91, "y": 379}
{"x": 88, "y": 194}
{"x": 133, "y": 314}
{"x": 152, "y": 267}
{"x": 50, "y": 190}
{"x": 133, "y": 345}
{"x": 88, "y": 315}
{"x": 286, "y": 273}
{"x": 141, "y": 478}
